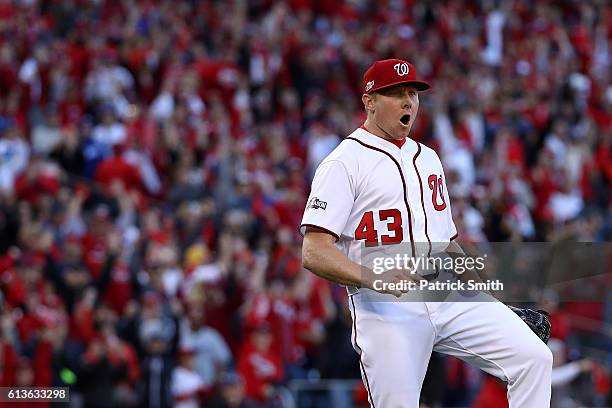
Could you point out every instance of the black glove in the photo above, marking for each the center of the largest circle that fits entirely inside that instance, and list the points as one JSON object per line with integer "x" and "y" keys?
{"x": 537, "y": 320}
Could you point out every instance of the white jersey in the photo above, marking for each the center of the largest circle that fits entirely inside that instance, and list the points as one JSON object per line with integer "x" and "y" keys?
{"x": 369, "y": 191}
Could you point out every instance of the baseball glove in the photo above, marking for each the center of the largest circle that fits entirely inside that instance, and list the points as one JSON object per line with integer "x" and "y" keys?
{"x": 537, "y": 320}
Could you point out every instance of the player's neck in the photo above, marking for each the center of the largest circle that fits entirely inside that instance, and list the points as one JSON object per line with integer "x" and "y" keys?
{"x": 372, "y": 128}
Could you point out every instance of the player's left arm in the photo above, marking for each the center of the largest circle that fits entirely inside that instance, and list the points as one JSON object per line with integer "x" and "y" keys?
{"x": 537, "y": 320}
{"x": 454, "y": 250}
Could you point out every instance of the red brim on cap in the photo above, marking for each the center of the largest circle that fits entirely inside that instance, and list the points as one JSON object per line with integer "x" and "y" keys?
{"x": 419, "y": 85}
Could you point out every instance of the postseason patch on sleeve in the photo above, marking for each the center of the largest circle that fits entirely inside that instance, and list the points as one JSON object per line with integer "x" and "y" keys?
{"x": 317, "y": 204}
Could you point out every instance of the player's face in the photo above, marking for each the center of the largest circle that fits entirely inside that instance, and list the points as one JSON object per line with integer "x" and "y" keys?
{"x": 395, "y": 110}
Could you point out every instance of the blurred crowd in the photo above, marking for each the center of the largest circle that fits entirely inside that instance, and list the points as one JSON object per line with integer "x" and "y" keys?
{"x": 156, "y": 155}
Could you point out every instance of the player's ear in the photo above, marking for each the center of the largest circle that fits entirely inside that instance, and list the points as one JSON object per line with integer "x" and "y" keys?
{"x": 368, "y": 102}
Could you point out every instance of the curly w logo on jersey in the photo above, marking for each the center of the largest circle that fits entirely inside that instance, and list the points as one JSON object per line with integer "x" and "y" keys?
{"x": 437, "y": 187}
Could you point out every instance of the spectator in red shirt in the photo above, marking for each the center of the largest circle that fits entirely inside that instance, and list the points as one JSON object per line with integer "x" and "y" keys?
{"x": 260, "y": 365}
{"x": 8, "y": 356}
{"x": 116, "y": 168}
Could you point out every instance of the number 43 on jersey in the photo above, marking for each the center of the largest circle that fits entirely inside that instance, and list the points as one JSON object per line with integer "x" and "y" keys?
{"x": 366, "y": 229}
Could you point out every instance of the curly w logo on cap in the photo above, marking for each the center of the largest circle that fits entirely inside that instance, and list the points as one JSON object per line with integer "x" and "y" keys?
{"x": 402, "y": 69}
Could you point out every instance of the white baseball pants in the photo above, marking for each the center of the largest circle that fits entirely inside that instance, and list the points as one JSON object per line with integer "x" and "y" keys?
{"x": 394, "y": 341}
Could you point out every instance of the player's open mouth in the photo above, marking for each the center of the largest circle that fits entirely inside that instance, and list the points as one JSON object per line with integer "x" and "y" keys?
{"x": 405, "y": 119}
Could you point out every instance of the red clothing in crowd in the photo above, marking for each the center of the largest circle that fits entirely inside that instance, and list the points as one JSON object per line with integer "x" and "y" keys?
{"x": 542, "y": 180}
{"x": 82, "y": 323}
{"x": 603, "y": 159}
{"x": 28, "y": 326}
{"x": 116, "y": 168}
{"x": 126, "y": 354}
{"x": 94, "y": 253}
{"x": 559, "y": 325}
{"x": 43, "y": 375}
{"x": 281, "y": 315}
{"x": 45, "y": 182}
{"x": 492, "y": 394}
{"x": 13, "y": 287}
{"x": 119, "y": 290}
{"x": 259, "y": 369}
{"x": 8, "y": 364}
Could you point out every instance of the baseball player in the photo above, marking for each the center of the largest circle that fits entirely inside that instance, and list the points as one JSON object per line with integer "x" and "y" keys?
{"x": 380, "y": 189}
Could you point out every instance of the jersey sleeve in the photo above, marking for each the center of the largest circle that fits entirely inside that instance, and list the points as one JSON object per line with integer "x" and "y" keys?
{"x": 331, "y": 199}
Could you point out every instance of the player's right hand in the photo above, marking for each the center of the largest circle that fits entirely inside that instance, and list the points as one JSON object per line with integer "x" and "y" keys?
{"x": 401, "y": 278}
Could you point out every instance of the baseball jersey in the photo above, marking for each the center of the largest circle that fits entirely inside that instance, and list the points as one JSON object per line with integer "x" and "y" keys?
{"x": 371, "y": 193}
